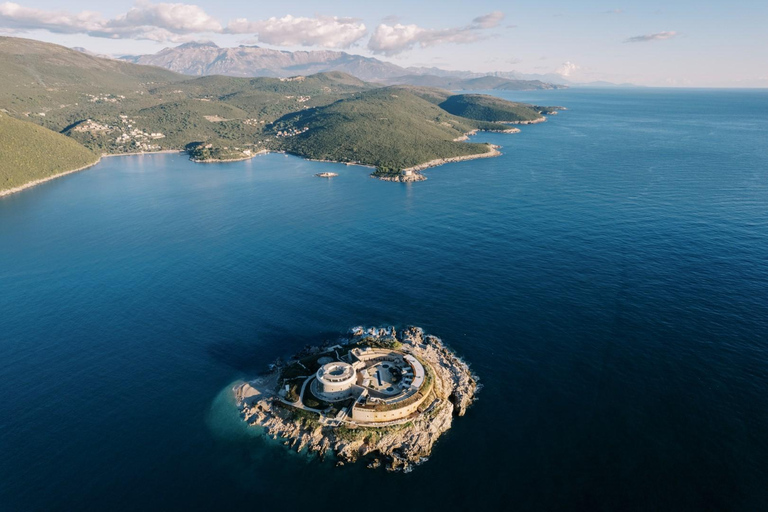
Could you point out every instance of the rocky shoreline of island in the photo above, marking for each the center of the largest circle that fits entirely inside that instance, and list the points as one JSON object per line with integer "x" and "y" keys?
{"x": 396, "y": 445}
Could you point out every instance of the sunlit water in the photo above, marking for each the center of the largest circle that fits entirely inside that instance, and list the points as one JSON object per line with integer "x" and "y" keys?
{"x": 607, "y": 278}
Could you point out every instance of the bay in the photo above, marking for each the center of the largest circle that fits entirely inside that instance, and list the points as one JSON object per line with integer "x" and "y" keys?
{"x": 607, "y": 279}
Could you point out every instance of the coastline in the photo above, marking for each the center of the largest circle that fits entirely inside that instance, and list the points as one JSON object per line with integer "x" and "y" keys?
{"x": 334, "y": 161}
{"x": 33, "y": 183}
{"x": 534, "y": 121}
{"x": 110, "y": 155}
{"x": 469, "y": 134}
{"x": 214, "y": 161}
{"x": 494, "y": 151}
{"x": 416, "y": 169}
{"x": 415, "y": 174}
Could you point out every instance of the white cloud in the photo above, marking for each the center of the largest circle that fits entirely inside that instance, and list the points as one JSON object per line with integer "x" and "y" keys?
{"x": 178, "y": 18}
{"x": 658, "y": 36}
{"x": 489, "y": 20}
{"x": 567, "y": 68}
{"x": 17, "y": 17}
{"x": 394, "y": 39}
{"x": 325, "y": 31}
{"x": 177, "y": 22}
{"x": 157, "y": 22}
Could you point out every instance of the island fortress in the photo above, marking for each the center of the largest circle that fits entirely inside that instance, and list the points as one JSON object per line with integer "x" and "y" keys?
{"x": 375, "y": 393}
{"x": 387, "y": 385}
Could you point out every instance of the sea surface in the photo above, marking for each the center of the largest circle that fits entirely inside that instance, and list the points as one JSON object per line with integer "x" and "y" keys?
{"x": 607, "y": 279}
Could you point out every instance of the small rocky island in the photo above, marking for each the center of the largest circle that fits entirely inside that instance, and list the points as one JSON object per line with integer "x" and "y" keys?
{"x": 376, "y": 395}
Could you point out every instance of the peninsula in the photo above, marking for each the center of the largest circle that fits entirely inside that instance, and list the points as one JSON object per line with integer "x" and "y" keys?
{"x": 377, "y": 395}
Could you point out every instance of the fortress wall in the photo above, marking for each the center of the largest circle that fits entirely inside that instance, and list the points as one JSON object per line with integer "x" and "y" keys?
{"x": 377, "y": 355}
{"x": 419, "y": 376}
{"x": 371, "y": 415}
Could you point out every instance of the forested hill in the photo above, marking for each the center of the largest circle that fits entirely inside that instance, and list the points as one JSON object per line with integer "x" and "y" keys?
{"x": 389, "y": 128}
{"x": 33, "y": 70}
{"x": 490, "y": 108}
{"x": 29, "y": 152}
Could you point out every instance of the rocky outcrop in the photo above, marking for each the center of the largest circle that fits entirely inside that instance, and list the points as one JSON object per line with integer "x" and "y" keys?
{"x": 492, "y": 151}
{"x": 458, "y": 383}
{"x": 402, "y": 178}
{"x": 398, "y": 446}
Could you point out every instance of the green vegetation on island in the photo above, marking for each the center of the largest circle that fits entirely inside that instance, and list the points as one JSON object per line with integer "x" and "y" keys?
{"x": 115, "y": 107}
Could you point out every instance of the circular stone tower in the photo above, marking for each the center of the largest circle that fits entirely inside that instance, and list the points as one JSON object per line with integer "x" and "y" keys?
{"x": 336, "y": 379}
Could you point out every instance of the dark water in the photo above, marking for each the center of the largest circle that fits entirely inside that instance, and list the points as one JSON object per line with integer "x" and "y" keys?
{"x": 607, "y": 278}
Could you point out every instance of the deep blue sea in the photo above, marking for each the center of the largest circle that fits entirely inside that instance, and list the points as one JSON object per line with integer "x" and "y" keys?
{"x": 607, "y": 279}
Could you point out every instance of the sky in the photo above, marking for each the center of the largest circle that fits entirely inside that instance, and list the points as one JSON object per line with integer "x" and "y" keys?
{"x": 680, "y": 43}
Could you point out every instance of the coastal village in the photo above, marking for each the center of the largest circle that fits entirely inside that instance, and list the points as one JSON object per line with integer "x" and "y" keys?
{"x": 127, "y": 135}
{"x": 377, "y": 394}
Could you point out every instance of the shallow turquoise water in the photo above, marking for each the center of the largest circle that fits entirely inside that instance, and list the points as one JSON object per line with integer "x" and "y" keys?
{"x": 607, "y": 278}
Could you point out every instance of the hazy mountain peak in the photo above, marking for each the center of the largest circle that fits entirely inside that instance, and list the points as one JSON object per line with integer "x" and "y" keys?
{"x": 206, "y": 58}
{"x": 196, "y": 44}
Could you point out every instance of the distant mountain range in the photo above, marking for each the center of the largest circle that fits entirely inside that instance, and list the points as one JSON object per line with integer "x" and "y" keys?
{"x": 251, "y": 61}
{"x": 481, "y": 83}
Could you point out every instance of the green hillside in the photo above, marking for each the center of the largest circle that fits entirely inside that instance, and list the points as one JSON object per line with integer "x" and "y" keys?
{"x": 431, "y": 94}
{"x": 208, "y": 109}
{"x": 39, "y": 75}
{"x": 389, "y": 128}
{"x": 487, "y": 83}
{"x": 29, "y": 152}
{"x": 489, "y": 108}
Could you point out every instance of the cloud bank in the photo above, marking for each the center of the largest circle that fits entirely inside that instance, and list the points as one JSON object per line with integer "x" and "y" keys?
{"x": 158, "y": 22}
{"x": 394, "y": 39}
{"x": 176, "y": 22}
{"x": 658, "y": 36}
